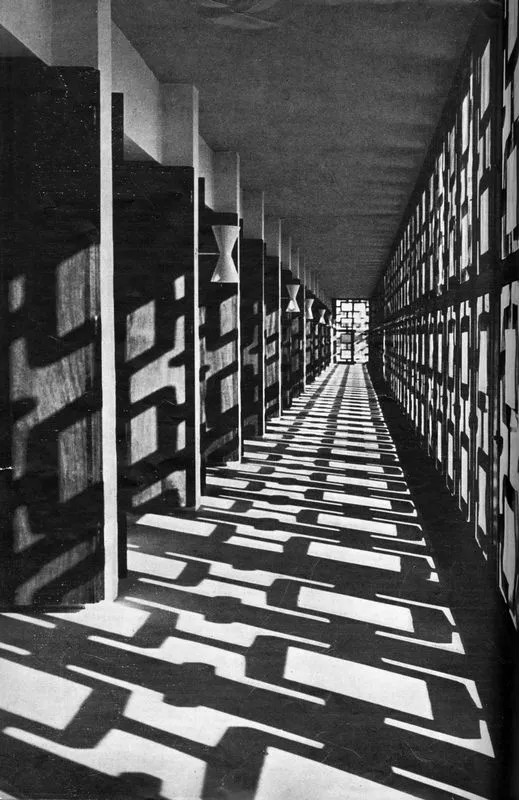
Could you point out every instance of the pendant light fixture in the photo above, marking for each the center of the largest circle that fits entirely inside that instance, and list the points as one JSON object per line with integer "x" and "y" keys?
{"x": 293, "y": 289}
{"x": 226, "y": 237}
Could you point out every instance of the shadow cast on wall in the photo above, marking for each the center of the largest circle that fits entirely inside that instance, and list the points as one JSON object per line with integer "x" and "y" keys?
{"x": 50, "y": 380}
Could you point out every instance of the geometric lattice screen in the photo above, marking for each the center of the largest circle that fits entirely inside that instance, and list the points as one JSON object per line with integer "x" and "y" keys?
{"x": 352, "y": 327}
{"x": 446, "y": 311}
{"x": 508, "y": 407}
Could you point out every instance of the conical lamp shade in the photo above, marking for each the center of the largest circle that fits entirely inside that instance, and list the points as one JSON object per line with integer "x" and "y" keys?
{"x": 225, "y": 271}
{"x": 322, "y": 315}
{"x": 308, "y": 310}
{"x": 292, "y": 289}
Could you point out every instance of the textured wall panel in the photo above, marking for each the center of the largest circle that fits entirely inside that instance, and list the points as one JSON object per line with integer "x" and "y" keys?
{"x": 449, "y": 353}
{"x": 50, "y": 373}
{"x": 509, "y": 439}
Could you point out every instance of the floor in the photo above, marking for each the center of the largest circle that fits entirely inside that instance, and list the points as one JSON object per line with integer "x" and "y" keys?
{"x": 295, "y": 639}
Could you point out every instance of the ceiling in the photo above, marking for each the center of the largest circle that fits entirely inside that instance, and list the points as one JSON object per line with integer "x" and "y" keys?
{"x": 330, "y": 103}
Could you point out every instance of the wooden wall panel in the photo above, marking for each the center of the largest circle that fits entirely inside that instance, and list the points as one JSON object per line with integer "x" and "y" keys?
{"x": 50, "y": 379}
{"x": 219, "y": 337}
{"x": 272, "y": 321}
{"x": 154, "y": 251}
{"x": 291, "y": 342}
{"x": 252, "y": 337}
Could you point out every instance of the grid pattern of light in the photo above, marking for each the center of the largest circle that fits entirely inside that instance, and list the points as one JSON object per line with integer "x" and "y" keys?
{"x": 352, "y": 325}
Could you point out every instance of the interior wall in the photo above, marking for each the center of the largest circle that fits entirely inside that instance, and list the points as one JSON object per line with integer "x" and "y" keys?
{"x": 252, "y": 337}
{"x": 444, "y": 327}
{"x": 30, "y": 21}
{"x": 50, "y": 378}
{"x": 132, "y": 77}
{"x": 272, "y": 337}
{"x": 206, "y": 170}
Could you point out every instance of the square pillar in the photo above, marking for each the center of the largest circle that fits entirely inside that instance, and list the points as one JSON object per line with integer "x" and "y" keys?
{"x": 59, "y": 380}
{"x": 157, "y": 348}
{"x": 180, "y": 143}
{"x": 298, "y": 327}
{"x": 272, "y": 317}
{"x": 252, "y": 315}
{"x": 303, "y": 271}
{"x": 220, "y": 321}
{"x": 286, "y": 320}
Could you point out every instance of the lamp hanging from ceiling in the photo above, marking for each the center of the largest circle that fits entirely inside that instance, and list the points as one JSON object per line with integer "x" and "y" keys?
{"x": 308, "y": 308}
{"x": 293, "y": 289}
{"x": 322, "y": 316}
{"x": 225, "y": 270}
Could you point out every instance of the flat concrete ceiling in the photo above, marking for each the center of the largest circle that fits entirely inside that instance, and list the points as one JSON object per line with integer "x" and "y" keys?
{"x": 330, "y": 103}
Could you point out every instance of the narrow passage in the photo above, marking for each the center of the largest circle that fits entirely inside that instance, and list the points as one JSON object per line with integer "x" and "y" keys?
{"x": 291, "y": 640}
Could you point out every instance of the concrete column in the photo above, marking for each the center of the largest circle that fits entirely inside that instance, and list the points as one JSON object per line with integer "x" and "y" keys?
{"x": 220, "y": 318}
{"x": 253, "y": 213}
{"x": 180, "y": 138}
{"x": 81, "y": 36}
{"x": 64, "y": 444}
{"x": 252, "y": 315}
{"x": 302, "y": 270}
{"x": 157, "y": 332}
{"x": 273, "y": 316}
{"x": 226, "y": 193}
{"x": 298, "y": 328}
{"x": 286, "y": 249}
{"x": 295, "y": 262}
{"x": 286, "y": 319}
{"x": 311, "y": 330}
{"x": 180, "y": 148}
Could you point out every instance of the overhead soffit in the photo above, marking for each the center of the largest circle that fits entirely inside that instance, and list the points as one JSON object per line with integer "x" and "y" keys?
{"x": 330, "y": 103}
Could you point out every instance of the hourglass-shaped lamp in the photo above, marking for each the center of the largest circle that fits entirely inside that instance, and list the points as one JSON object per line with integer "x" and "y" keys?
{"x": 308, "y": 308}
{"x": 322, "y": 316}
{"x": 293, "y": 289}
{"x": 225, "y": 271}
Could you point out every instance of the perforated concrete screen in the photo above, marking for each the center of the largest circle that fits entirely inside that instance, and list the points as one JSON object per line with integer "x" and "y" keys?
{"x": 352, "y": 325}
{"x": 446, "y": 310}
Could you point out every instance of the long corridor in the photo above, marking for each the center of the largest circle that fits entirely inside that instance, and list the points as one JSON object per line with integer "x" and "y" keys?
{"x": 291, "y": 640}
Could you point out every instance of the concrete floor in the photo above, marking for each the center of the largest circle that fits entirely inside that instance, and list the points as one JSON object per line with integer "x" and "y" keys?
{"x": 300, "y": 637}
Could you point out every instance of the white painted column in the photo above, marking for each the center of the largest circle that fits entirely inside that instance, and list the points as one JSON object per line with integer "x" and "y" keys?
{"x": 286, "y": 248}
{"x": 180, "y": 141}
{"x": 273, "y": 245}
{"x": 253, "y": 210}
{"x": 227, "y": 199}
{"x": 295, "y": 259}
{"x": 81, "y": 36}
{"x": 302, "y": 269}
{"x": 180, "y": 138}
